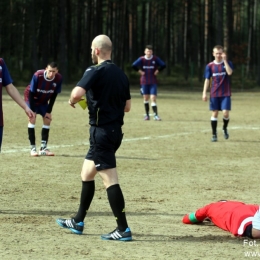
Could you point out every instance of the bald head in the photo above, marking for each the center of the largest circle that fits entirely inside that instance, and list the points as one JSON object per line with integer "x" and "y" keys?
{"x": 101, "y": 49}
{"x": 103, "y": 43}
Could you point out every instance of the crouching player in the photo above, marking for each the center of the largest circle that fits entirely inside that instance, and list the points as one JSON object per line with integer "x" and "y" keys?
{"x": 240, "y": 219}
{"x": 40, "y": 96}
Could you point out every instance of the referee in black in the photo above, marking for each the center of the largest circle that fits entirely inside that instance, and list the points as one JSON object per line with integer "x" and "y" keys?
{"x": 108, "y": 97}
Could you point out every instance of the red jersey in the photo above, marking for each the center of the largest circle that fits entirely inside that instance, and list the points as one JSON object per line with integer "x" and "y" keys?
{"x": 233, "y": 216}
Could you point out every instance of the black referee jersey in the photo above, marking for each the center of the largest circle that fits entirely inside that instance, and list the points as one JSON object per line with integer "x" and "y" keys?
{"x": 107, "y": 90}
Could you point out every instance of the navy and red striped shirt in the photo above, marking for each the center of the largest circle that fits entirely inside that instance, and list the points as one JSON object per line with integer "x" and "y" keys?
{"x": 149, "y": 66}
{"x": 5, "y": 79}
{"x": 220, "y": 84}
{"x": 42, "y": 87}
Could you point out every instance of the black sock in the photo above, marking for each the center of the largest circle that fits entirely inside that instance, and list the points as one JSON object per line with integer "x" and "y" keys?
{"x": 31, "y": 136}
{"x": 146, "y": 107}
{"x": 45, "y": 137}
{"x": 87, "y": 194}
{"x": 214, "y": 127}
{"x": 117, "y": 204}
{"x": 155, "y": 110}
{"x": 225, "y": 123}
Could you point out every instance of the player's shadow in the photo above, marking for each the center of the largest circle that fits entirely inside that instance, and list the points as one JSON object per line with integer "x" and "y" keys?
{"x": 62, "y": 213}
{"x": 26, "y": 215}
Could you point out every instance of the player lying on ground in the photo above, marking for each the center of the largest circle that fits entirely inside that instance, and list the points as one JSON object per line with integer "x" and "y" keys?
{"x": 242, "y": 220}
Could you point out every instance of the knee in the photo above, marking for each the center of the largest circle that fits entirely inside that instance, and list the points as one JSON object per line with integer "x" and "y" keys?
{"x": 226, "y": 114}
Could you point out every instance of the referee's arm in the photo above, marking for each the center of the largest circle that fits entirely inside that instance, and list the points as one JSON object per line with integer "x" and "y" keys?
{"x": 76, "y": 95}
{"x": 127, "y": 105}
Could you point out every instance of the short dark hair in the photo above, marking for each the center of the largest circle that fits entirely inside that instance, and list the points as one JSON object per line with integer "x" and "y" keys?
{"x": 218, "y": 47}
{"x": 149, "y": 47}
{"x": 52, "y": 64}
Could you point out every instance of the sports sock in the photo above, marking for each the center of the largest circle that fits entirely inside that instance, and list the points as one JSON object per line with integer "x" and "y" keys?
{"x": 146, "y": 107}
{"x": 154, "y": 107}
{"x": 190, "y": 218}
{"x": 117, "y": 204}
{"x": 87, "y": 194}
{"x": 225, "y": 122}
{"x": 31, "y": 134}
{"x": 214, "y": 124}
{"x": 45, "y": 136}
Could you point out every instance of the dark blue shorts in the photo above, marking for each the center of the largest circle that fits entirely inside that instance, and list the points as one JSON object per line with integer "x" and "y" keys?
{"x": 41, "y": 109}
{"x": 149, "y": 89}
{"x": 1, "y": 136}
{"x": 220, "y": 103}
{"x": 104, "y": 142}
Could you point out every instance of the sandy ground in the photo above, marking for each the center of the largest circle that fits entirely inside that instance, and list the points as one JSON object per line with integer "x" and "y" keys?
{"x": 166, "y": 169}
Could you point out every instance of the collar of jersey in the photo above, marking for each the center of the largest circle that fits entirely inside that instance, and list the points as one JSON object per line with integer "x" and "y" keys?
{"x": 218, "y": 62}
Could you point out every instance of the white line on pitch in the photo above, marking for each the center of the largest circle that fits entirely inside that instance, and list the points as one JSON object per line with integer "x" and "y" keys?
{"x": 129, "y": 139}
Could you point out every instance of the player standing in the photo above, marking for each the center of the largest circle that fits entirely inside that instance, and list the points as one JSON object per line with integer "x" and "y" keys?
{"x": 148, "y": 67}
{"x": 7, "y": 82}
{"x": 40, "y": 96}
{"x": 218, "y": 71}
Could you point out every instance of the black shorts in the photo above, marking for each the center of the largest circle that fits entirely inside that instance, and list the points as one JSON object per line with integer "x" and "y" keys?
{"x": 104, "y": 142}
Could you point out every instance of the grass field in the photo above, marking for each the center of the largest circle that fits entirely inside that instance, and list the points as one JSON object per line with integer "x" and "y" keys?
{"x": 166, "y": 169}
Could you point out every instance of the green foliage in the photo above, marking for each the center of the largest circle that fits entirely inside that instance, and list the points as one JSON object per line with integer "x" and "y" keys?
{"x": 34, "y": 32}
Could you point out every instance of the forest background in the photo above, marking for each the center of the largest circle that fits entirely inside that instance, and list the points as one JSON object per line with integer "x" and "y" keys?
{"x": 182, "y": 32}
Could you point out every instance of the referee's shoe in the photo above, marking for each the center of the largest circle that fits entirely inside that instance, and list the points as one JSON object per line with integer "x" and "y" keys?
{"x": 118, "y": 235}
{"x": 76, "y": 228}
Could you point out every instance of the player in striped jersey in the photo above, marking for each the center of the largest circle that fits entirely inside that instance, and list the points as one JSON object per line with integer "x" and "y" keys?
{"x": 148, "y": 67}
{"x": 238, "y": 218}
{"x": 217, "y": 78}
{"x": 7, "y": 82}
{"x": 40, "y": 96}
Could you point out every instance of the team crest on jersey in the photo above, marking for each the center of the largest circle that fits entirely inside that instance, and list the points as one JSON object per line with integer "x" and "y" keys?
{"x": 0, "y": 80}
{"x": 54, "y": 85}
{"x": 153, "y": 62}
{"x": 1, "y": 68}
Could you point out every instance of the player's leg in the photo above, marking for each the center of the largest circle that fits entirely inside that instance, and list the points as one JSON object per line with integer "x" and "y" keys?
{"x": 31, "y": 136}
{"x": 46, "y": 119}
{"x": 255, "y": 229}
{"x": 108, "y": 140}
{"x": 117, "y": 204}
{"x": 226, "y": 107}
{"x": 1, "y": 136}
{"x": 214, "y": 124}
{"x": 146, "y": 94}
{"x": 88, "y": 173}
{"x": 214, "y": 107}
{"x": 154, "y": 103}
{"x": 31, "y": 133}
{"x": 45, "y": 132}
{"x": 153, "y": 91}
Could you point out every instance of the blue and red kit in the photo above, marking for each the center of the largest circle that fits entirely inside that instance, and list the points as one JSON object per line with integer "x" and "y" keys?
{"x": 43, "y": 88}
{"x": 220, "y": 82}
{"x": 5, "y": 79}
{"x": 149, "y": 66}
{"x": 232, "y": 216}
